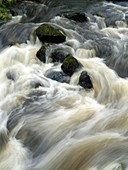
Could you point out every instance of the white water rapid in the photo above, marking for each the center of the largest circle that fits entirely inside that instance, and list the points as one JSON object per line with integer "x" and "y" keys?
{"x": 52, "y": 125}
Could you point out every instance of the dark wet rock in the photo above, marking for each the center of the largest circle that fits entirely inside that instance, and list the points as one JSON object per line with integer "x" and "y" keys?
{"x": 76, "y": 16}
{"x": 49, "y": 34}
{"x": 10, "y": 75}
{"x": 85, "y": 81}
{"x": 58, "y": 55}
{"x": 59, "y": 76}
{"x": 41, "y": 54}
{"x": 13, "y": 12}
{"x": 70, "y": 65}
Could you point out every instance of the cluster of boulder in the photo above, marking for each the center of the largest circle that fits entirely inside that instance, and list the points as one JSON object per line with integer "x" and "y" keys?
{"x": 49, "y": 34}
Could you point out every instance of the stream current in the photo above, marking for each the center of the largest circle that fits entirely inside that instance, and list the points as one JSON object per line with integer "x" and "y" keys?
{"x": 48, "y": 124}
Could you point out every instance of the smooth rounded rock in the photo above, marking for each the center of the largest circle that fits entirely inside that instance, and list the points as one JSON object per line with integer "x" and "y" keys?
{"x": 70, "y": 65}
{"x": 85, "y": 81}
{"x": 49, "y": 34}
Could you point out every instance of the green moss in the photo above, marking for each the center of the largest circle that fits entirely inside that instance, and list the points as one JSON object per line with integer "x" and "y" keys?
{"x": 3, "y": 14}
{"x": 48, "y": 30}
{"x": 70, "y": 65}
{"x": 43, "y": 49}
{"x": 47, "y": 33}
{"x": 4, "y": 5}
{"x": 7, "y": 2}
{"x": 41, "y": 54}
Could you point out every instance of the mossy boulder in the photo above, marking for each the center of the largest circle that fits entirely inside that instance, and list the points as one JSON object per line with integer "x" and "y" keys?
{"x": 70, "y": 65}
{"x": 76, "y": 16}
{"x": 58, "y": 55}
{"x": 41, "y": 54}
{"x": 85, "y": 81}
{"x": 49, "y": 34}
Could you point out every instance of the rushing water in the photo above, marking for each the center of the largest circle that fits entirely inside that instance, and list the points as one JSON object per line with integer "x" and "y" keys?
{"x": 53, "y": 125}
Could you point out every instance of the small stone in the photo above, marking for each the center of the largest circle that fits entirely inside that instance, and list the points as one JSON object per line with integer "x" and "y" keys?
{"x": 41, "y": 54}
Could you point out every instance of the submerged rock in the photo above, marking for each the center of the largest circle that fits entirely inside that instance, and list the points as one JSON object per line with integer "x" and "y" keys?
{"x": 41, "y": 54}
{"x": 70, "y": 65}
{"x": 58, "y": 55}
{"x": 49, "y": 34}
{"x": 85, "y": 81}
{"x": 59, "y": 76}
{"x": 76, "y": 16}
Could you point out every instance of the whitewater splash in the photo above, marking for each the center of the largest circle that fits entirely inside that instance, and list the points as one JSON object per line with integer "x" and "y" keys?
{"x": 48, "y": 125}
